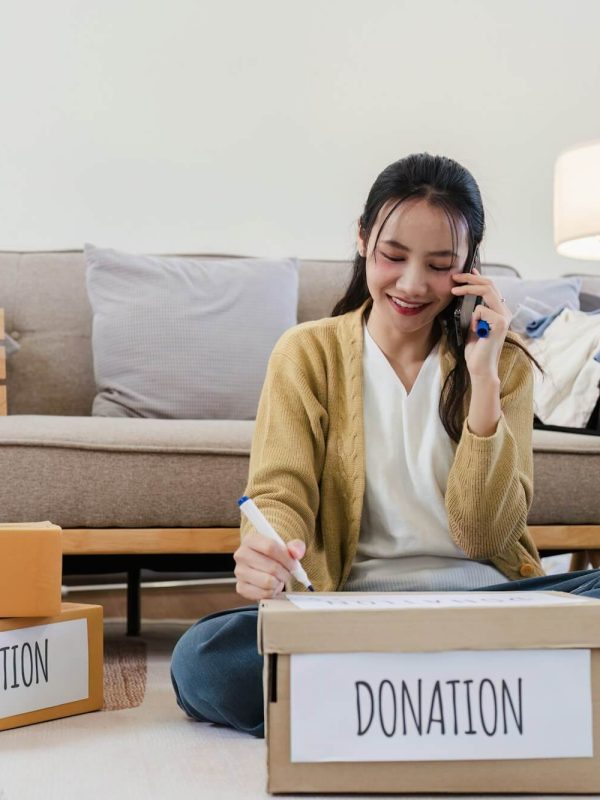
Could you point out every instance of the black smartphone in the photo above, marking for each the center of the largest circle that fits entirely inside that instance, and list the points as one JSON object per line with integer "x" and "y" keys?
{"x": 466, "y": 304}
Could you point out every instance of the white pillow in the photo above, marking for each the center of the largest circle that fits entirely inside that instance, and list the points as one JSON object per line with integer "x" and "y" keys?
{"x": 183, "y": 337}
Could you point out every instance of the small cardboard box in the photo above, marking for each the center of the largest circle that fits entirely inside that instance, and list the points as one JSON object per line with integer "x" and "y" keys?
{"x": 51, "y": 667}
{"x": 468, "y": 692}
{"x": 30, "y": 569}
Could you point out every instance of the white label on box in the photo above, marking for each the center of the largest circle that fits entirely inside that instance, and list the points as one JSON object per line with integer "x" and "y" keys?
{"x": 445, "y": 706}
{"x": 389, "y": 600}
{"x": 43, "y": 666}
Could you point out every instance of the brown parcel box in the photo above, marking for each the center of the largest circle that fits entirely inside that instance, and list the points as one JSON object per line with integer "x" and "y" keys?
{"x": 30, "y": 569}
{"x": 568, "y": 629}
{"x": 51, "y": 667}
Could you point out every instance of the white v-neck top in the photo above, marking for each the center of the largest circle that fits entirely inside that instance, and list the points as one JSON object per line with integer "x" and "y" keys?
{"x": 404, "y": 541}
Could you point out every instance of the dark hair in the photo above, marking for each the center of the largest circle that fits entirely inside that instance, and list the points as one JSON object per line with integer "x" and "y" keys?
{"x": 445, "y": 184}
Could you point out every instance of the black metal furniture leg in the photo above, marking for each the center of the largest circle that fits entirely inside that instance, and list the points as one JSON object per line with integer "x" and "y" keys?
{"x": 133, "y": 601}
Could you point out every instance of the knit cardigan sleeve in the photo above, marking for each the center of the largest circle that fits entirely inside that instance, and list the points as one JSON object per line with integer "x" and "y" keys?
{"x": 288, "y": 450}
{"x": 490, "y": 485}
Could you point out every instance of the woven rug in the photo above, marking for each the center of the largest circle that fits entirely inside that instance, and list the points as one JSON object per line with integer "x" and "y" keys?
{"x": 125, "y": 672}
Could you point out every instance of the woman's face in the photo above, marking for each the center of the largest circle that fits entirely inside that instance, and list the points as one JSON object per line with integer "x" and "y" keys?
{"x": 416, "y": 273}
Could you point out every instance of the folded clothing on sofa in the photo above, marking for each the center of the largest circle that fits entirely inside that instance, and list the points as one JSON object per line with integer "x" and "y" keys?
{"x": 567, "y": 395}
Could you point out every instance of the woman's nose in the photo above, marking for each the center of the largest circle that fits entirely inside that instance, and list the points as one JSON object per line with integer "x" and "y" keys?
{"x": 412, "y": 279}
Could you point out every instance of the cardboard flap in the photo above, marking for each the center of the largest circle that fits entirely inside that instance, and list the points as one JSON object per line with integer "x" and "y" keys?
{"x": 285, "y": 628}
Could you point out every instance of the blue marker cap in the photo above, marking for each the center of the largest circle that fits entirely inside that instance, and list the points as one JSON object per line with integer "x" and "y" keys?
{"x": 483, "y": 329}
{"x": 242, "y": 500}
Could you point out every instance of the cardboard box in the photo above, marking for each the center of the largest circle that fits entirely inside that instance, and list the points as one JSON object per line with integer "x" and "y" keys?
{"x": 30, "y": 569}
{"x": 51, "y": 667}
{"x": 456, "y": 692}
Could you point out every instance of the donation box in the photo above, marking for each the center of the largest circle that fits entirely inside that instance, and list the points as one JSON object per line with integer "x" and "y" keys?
{"x": 431, "y": 692}
{"x": 51, "y": 667}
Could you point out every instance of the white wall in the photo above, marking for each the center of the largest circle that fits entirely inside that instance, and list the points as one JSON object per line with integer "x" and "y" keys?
{"x": 258, "y": 127}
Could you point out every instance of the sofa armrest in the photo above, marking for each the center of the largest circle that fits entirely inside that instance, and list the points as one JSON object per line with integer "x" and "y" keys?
{"x": 3, "y": 406}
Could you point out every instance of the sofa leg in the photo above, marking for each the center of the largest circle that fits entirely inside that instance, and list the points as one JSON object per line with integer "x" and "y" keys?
{"x": 133, "y": 601}
{"x": 580, "y": 559}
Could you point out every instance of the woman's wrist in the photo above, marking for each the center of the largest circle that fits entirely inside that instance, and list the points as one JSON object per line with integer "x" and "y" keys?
{"x": 491, "y": 379}
{"x": 484, "y": 408}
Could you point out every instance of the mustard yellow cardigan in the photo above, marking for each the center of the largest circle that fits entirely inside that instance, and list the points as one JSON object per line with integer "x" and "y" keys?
{"x": 307, "y": 462}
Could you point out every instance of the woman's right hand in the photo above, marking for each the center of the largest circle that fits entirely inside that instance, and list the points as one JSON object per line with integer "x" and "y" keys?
{"x": 263, "y": 567}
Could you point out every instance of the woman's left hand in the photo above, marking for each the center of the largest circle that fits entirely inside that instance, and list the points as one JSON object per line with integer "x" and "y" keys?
{"x": 483, "y": 354}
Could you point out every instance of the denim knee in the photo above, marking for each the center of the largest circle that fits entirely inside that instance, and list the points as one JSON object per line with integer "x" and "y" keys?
{"x": 585, "y": 582}
{"x": 588, "y": 583}
{"x": 216, "y": 671}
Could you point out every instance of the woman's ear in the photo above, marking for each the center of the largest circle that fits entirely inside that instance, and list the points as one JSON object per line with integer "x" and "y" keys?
{"x": 362, "y": 248}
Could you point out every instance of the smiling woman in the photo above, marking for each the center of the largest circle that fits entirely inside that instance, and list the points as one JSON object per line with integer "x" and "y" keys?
{"x": 379, "y": 484}
{"x": 420, "y": 229}
{"x": 417, "y": 285}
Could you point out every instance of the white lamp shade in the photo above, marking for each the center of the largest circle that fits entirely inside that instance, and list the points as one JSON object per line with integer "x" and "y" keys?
{"x": 577, "y": 202}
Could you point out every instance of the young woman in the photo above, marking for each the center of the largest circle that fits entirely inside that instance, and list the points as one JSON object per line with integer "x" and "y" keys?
{"x": 387, "y": 455}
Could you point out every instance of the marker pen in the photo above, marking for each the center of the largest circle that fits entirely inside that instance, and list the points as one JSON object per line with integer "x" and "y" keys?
{"x": 483, "y": 329}
{"x": 256, "y": 517}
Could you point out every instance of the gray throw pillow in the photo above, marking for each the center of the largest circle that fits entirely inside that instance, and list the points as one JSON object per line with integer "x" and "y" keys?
{"x": 589, "y": 302}
{"x": 183, "y": 337}
{"x": 554, "y": 293}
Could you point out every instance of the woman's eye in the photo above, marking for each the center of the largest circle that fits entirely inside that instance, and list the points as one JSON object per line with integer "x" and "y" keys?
{"x": 435, "y": 269}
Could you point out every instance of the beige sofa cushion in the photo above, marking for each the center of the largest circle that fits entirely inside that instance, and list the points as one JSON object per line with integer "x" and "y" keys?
{"x": 102, "y": 473}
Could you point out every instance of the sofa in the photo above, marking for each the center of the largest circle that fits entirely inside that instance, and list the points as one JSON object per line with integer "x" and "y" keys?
{"x": 161, "y": 493}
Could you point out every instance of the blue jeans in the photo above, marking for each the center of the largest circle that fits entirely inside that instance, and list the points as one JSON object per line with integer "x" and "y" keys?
{"x": 216, "y": 669}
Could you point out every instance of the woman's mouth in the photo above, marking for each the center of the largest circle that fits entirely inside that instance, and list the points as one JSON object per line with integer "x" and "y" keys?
{"x": 406, "y": 309}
